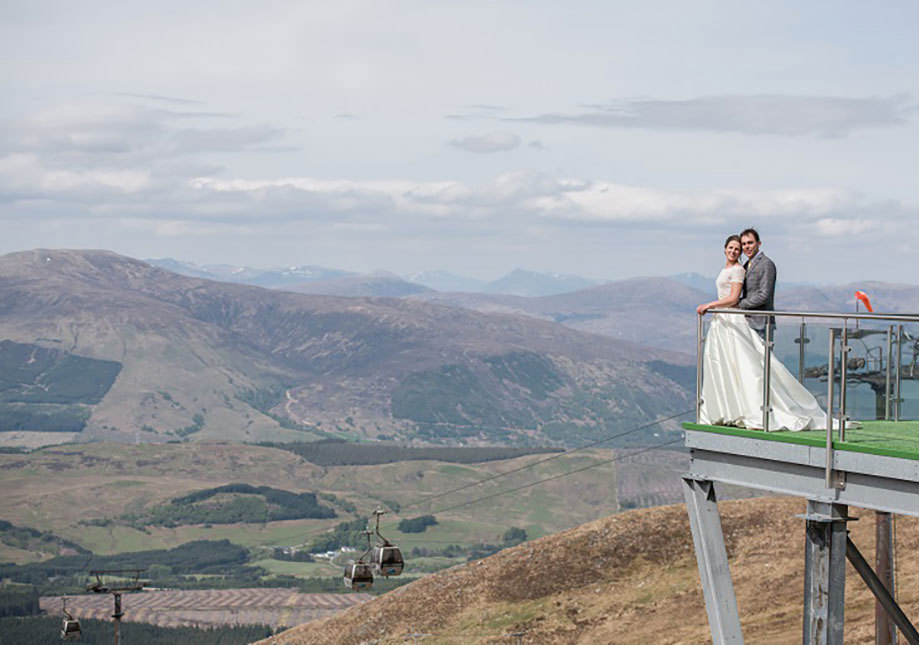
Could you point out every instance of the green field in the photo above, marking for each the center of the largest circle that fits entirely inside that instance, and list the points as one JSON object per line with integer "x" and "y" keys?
{"x": 300, "y": 569}
{"x": 62, "y": 489}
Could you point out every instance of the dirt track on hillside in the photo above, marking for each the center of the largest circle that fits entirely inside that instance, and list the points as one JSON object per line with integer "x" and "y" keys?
{"x": 628, "y": 578}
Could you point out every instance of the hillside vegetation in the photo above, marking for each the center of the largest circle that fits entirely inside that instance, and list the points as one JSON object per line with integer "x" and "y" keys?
{"x": 231, "y": 504}
{"x": 49, "y": 390}
{"x": 627, "y": 578}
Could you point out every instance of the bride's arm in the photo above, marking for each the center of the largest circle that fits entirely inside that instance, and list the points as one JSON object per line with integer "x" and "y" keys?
{"x": 729, "y": 301}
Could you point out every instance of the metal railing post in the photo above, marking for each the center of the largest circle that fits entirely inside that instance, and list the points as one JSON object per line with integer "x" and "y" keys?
{"x": 896, "y": 415}
{"x": 801, "y": 342}
{"x": 767, "y": 376}
{"x": 887, "y": 379}
{"x": 843, "y": 369}
{"x": 830, "y": 377}
{"x": 700, "y": 340}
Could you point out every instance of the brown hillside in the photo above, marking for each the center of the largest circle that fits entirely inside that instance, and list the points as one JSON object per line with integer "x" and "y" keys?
{"x": 627, "y": 578}
{"x": 196, "y": 349}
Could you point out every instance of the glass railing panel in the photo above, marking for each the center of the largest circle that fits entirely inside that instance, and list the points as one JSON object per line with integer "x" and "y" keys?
{"x": 871, "y": 367}
{"x": 870, "y": 388}
{"x": 909, "y": 371}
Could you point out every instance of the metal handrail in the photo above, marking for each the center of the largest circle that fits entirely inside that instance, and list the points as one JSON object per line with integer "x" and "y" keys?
{"x": 818, "y": 314}
{"x": 767, "y": 384}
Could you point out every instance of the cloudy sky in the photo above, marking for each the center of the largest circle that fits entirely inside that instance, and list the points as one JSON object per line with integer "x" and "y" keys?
{"x": 607, "y": 139}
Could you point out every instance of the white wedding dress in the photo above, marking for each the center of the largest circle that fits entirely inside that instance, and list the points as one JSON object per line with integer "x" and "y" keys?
{"x": 732, "y": 376}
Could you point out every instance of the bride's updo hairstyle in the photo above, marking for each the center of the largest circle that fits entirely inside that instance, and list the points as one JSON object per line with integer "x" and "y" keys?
{"x": 731, "y": 238}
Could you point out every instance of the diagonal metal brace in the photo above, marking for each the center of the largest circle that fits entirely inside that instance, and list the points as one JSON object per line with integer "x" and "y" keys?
{"x": 712, "y": 558}
{"x": 881, "y": 593}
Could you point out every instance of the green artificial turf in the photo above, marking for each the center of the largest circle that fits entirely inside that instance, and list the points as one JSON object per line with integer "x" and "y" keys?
{"x": 887, "y": 438}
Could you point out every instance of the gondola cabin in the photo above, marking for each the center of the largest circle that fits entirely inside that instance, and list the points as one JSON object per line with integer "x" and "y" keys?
{"x": 70, "y": 629}
{"x": 358, "y": 576}
{"x": 388, "y": 560}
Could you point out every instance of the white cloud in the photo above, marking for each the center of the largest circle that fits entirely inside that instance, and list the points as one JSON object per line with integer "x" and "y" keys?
{"x": 174, "y": 228}
{"x": 773, "y": 114}
{"x": 91, "y": 133}
{"x": 836, "y": 227}
{"x": 486, "y": 143}
{"x": 527, "y": 194}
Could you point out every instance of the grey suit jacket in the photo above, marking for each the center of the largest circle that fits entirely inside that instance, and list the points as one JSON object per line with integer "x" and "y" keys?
{"x": 759, "y": 289}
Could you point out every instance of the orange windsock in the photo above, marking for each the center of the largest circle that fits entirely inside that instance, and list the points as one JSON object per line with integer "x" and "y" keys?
{"x": 861, "y": 295}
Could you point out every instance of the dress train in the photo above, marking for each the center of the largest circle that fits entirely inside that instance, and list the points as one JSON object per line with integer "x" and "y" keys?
{"x": 732, "y": 382}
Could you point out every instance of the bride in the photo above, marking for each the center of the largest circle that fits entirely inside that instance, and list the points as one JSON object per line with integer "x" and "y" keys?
{"x": 732, "y": 367}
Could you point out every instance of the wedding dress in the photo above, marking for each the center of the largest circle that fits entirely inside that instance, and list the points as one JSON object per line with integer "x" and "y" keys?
{"x": 732, "y": 376}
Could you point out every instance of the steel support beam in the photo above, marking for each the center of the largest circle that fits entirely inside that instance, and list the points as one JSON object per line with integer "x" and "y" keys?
{"x": 825, "y": 573}
{"x": 885, "y": 632}
{"x": 712, "y": 558}
{"x": 880, "y": 592}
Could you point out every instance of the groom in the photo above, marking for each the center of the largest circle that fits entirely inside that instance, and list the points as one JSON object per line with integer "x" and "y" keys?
{"x": 759, "y": 282}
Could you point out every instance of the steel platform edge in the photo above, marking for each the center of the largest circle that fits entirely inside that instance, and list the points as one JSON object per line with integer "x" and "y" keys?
{"x": 872, "y": 481}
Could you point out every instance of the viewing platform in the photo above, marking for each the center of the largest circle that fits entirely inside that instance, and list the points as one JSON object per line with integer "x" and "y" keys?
{"x": 862, "y": 369}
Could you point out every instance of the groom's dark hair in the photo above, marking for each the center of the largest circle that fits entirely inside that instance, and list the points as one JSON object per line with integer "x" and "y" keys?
{"x": 750, "y": 231}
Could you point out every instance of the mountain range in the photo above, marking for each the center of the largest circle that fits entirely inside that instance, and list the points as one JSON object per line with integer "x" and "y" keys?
{"x": 247, "y": 275}
{"x": 315, "y": 279}
{"x": 660, "y": 312}
{"x": 199, "y": 359}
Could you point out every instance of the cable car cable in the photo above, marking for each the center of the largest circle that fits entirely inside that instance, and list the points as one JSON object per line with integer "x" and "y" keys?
{"x": 547, "y": 459}
{"x": 559, "y": 476}
{"x": 320, "y": 530}
{"x": 553, "y": 457}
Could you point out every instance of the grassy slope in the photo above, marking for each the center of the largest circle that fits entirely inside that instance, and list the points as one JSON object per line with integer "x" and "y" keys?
{"x": 628, "y": 578}
{"x": 54, "y": 488}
